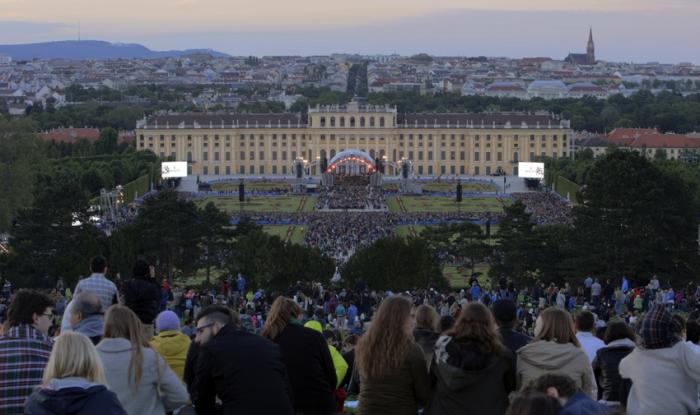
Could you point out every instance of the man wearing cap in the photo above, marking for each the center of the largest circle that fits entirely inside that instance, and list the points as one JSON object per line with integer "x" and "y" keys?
{"x": 665, "y": 371}
{"x": 504, "y": 311}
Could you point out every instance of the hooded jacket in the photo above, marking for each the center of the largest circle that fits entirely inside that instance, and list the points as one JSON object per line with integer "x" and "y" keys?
{"x": 73, "y": 396}
{"x": 173, "y": 346}
{"x": 467, "y": 380}
{"x": 91, "y": 326}
{"x": 339, "y": 363}
{"x": 541, "y": 357}
{"x": 606, "y": 366}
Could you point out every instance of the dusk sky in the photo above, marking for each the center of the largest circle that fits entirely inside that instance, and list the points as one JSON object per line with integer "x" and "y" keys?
{"x": 624, "y": 30}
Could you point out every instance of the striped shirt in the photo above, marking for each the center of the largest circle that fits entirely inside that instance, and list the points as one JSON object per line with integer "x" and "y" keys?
{"x": 24, "y": 352}
{"x": 104, "y": 288}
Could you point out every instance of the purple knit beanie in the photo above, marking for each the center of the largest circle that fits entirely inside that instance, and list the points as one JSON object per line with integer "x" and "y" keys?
{"x": 167, "y": 320}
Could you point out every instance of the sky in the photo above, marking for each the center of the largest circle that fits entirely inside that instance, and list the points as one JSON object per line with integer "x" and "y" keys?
{"x": 624, "y": 30}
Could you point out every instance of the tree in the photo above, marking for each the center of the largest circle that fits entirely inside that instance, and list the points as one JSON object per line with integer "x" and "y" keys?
{"x": 21, "y": 160}
{"x": 512, "y": 255}
{"x": 107, "y": 142}
{"x": 635, "y": 220}
{"x": 215, "y": 242}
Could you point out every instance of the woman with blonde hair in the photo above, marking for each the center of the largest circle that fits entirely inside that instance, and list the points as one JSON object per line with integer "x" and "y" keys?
{"x": 138, "y": 375}
{"x": 427, "y": 329}
{"x": 74, "y": 382}
{"x": 306, "y": 356}
{"x": 393, "y": 373}
{"x": 555, "y": 349}
{"x": 472, "y": 371}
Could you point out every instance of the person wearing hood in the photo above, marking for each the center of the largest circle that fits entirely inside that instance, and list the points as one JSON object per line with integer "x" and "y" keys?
{"x": 555, "y": 349}
{"x": 170, "y": 342}
{"x": 472, "y": 371}
{"x": 619, "y": 342}
{"x": 142, "y": 295}
{"x": 339, "y": 363}
{"x": 426, "y": 331}
{"x": 664, "y": 370}
{"x": 86, "y": 316}
{"x": 74, "y": 382}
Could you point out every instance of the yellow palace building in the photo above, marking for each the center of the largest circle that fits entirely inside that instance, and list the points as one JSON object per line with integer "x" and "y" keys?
{"x": 435, "y": 143}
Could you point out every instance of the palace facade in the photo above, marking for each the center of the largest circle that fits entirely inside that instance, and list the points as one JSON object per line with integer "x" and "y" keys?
{"x": 435, "y": 143}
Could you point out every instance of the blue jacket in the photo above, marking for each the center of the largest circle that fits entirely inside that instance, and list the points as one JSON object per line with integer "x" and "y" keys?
{"x": 75, "y": 396}
{"x": 581, "y": 404}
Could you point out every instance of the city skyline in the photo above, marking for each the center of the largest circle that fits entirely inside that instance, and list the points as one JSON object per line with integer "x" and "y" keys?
{"x": 625, "y": 31}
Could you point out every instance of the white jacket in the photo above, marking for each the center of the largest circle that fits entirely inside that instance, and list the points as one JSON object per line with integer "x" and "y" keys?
{"x": 664, "y": 381}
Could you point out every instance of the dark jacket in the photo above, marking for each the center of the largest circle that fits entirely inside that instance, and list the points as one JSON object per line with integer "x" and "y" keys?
{"x": 310, "y": 368}
{"x": 81, "y": 398}
{"x": 426, "y": 339}
{"x": 244, "y": 371}
{"x": 468, "y": 381}
{"x": 513, "y": 340}
{"x": 606, "y": 367}
{"x": 142, "y": 296}
{"x": 581, "y": 404}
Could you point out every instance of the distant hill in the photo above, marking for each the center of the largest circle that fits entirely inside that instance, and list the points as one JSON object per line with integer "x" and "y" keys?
{"x": 92, "y": 49}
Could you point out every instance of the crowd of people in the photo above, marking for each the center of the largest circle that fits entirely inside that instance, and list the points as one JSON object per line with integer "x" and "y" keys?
{"x": 122, "y": 348}
{"x": 547, "y": 208}
{"x": 350, "y": 192}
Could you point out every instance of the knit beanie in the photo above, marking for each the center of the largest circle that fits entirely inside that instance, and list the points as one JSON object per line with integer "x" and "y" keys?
{"x": 167, "y": 320}
{"x": 658, "y": 329}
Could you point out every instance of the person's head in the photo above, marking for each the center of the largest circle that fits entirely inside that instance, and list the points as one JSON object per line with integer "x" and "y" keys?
{"x": 555, "y": 324}
{"x": 618, "y": 330}
{"x": 122, "y": 323}
{"x": 534, "y": 404}
{"x": 446, "y": 323}
{"x": 476, "y": 323}
{"x": 505, "y": 312}
{"x": 585, "y": 321}
{"x": 32, "y": 308}
{"x": 142, "y": 269}
{"x": 681, "y": 322}
{"x": 427, "y": 318}
{"x": 558, "y": 386}
{"x": 692, "y": 331}
{"x": 349, "y": 343}
{"x": 167, "y": 320}
{"x": 84, "y": 305}
{"x": 74, "y": 355}
{"x": 283, "y": 311}
{"x": 658, "y": 329}
{"x": 98, "y": 264}
{"x": 210, "y": 321}
{"x": 384, "y": 346}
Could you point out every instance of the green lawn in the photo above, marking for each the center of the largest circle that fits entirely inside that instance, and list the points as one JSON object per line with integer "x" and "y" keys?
{"x": 403, "y": 230}
{"x": 459, "y": 279}
{"x": 260, "y": 204}
{"x": 281, "y": 231}
{"x": 233, "y": 186}
{"x": 446, "y": 204}
{"x": 466, "y": 187}
{"x": 392, "y": 204}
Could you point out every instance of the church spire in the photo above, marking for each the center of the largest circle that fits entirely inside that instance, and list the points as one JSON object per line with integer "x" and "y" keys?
{"x": 590, "y": 50}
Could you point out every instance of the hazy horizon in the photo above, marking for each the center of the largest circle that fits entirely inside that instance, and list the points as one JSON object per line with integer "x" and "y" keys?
{"x": 624, "y": 30}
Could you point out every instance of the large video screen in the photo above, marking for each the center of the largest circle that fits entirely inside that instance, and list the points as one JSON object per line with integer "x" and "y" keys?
{"x": 173, "y": 169}
{"x": 531, "y": 170}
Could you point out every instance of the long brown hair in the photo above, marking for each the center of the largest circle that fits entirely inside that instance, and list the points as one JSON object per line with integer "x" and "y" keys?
{"x": 385, "y": 345}
{"x": 476, "y": 323}
{"x": 122, "y": 323}
{"x": 283, "y": 310}
{"x": 557, "y": 326}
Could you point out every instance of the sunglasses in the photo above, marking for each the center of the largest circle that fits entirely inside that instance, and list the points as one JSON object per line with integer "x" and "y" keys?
{"x": 201, "y": 329}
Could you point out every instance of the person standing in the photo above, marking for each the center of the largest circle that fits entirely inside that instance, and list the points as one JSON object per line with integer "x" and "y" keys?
{"x": 585, "y": 324}
{"x": 393, "y": 373}
{"x": 504, "y": 312}
{"x": 99, "y": 284}
{"x": 142, "y": 295}
{"x": 243, "y": 370}
{"x": 596, "y": 291}
{"x": 86, "y": 316}
{"x": 25, "y": 348}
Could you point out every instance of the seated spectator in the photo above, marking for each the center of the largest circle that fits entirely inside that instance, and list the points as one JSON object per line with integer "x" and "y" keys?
{"x": 138, "y": 375}
{"x": 426, "y": 331}
{"x": 563, "y": 388}
{"x": 170, "y": 342}
{"x": 585, "y": 324}
{"x": 340, "y": 365}
{"x": 393, "y": 374}
{"x": 619, "y": 342}
{"x": 25, "y": 348}
{"x": 86, "y": 316}
{"x": 472, "y": 371}
{"x": 555, "y": 349}
{"x": 505, "y": 313}
{"x": 74, "y": 381}
{"x": 662, "y": 366}
{"x": 534, "y": 404}
{"x": 245, "y": 371}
